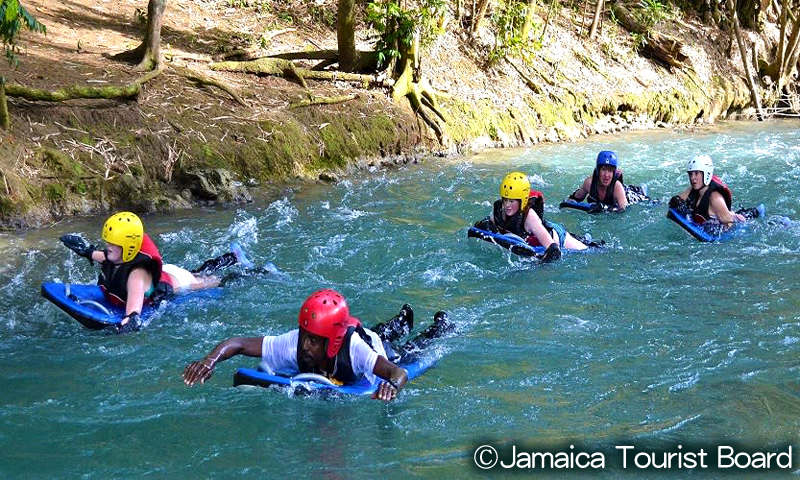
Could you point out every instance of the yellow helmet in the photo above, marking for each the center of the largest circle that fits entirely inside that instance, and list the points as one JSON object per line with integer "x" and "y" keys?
{"x": 126, "y": 230}
{"x": 516, "y": 186}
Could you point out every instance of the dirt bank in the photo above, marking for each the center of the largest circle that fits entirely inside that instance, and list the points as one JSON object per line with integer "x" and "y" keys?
{"x": 180, "y": 144}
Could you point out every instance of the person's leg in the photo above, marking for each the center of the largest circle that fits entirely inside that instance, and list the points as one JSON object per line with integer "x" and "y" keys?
{"x": 397, "y": 327}
{"x": 183, "y": 281}
{"x": 441, "y": 326}
{"x": 751, "y": 213}
{"x": 573, "y": 243}
{"x": 214, "y": 264}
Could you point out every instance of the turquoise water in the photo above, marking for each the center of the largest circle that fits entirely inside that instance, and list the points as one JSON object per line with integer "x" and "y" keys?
{"x": 659, "y": 340}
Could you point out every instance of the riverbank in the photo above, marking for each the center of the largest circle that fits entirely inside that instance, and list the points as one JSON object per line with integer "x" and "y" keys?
{"x": 181, "y": 144}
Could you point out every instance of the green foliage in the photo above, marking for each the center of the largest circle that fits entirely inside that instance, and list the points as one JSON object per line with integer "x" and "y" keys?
{"x": 653, "y": 11}
{"x": 13, "y": 17}
{"x": 397, "y": 26}
{"x": 639, "y": 40}
{"x": 509, "y": 18}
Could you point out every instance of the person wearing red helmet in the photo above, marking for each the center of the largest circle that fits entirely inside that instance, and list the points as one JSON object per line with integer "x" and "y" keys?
{"x": 329, "y": 342}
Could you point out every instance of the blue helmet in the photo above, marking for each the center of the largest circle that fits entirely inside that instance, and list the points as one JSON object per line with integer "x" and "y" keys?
{"x": 606, "y": 158}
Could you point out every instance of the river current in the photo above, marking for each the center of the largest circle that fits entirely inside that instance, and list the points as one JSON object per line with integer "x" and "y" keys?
{"x": 658, "y": 340}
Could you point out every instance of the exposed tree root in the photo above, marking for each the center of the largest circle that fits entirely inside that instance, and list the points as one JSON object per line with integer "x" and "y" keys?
{"x": 285, "y": 68}
{"x": 130, "y": 90}
{"x": 111, "y": 92}
{"x": 530, "y": 83}
{"x": 323, "y": 100}
{"x": 204, "y": 80}
{"x": 417, "y": 93}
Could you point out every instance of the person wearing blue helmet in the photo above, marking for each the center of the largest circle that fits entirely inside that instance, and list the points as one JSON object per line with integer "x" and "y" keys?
{"x": 604, "y": 187}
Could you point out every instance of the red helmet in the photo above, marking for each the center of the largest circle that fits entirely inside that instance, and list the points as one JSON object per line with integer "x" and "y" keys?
{"x": 325, "y": 314}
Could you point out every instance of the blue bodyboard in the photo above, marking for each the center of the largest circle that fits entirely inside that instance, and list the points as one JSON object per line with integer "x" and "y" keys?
{"x": 582, "y": 206}
{"x": 249, "y": 376}
{"x": 511, "y": 242}
{"x": 712, "y": 234}
{"x": 88, "y": 305}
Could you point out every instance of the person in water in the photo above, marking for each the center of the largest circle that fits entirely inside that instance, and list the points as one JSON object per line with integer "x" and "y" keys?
{"x": 329, "y": 342}
{"x": 520, "y": 211}
{"x": 708, "y": 198}
{"x": 605, "y": 187}
{"x": 132, "y": 272}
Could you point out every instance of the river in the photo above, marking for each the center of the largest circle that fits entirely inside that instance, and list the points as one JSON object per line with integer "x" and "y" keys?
{"x": 658, "y": 341}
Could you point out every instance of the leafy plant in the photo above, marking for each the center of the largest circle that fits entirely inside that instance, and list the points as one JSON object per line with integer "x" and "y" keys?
{"x": 653, "y": 11}
{"x": 509, "y": 19}
{"x": 639, "y": 40}
{"x": 13, "y": 17}
{"x": 397, "y": 26}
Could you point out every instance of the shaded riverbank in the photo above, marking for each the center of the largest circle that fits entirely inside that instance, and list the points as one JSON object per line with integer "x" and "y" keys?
{"x": 179, "y": 145}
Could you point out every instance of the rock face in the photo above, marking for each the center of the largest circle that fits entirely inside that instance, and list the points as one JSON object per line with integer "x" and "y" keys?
{"x": 215, "y": 185}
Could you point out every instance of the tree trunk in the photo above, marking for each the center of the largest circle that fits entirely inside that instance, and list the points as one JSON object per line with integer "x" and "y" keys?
{"x": 5, "y": 119}
{"x": 743, "y": 51}
{"x": 345, "y": 35}
{"x": 148, "y": 54}
{"x": 478, "y": 16}
{"x": 528, "y": 24}
{"x": 597, "y": 13}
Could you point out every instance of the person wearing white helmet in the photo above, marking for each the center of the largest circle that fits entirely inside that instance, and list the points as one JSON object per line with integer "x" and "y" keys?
{"x": 708, "y": 198}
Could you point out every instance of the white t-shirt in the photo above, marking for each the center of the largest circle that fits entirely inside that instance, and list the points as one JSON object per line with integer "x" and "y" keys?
{"x": 279, "y": 354}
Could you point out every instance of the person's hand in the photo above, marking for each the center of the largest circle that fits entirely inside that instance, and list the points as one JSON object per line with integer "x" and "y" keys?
{"x": 596, "y": 208}
{"x": 386, "y": 392}
{"x": 199, "y": 371}
{"x": 675, "y": 202}
{"x": 552, "y": 253}
{"x": 130, "y": 323}
{"x": 739, "y": 217}
{"x": 77, "y": 244}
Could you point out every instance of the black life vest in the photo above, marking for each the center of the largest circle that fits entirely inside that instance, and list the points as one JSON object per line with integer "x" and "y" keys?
{"x": 113, "y": 279}
{"x": 516, "y": 223}
{"x": 700, "y": 209}
{"x": 343, "y": 365}
{"x": 594, "y": 193}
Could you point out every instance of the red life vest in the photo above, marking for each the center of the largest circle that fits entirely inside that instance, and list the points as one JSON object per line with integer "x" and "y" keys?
{"x": 113, "y": 279}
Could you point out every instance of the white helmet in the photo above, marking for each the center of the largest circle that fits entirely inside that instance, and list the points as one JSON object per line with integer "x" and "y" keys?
{"x": 703, "y": 164}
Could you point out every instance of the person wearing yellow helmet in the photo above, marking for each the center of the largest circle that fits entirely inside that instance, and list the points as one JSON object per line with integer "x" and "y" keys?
{"x": 511, "y": 214}
{"x": 132, "y": 272}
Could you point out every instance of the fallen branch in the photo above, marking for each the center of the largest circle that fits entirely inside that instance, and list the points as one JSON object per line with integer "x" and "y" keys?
{"x": 667, "y": 49}
{"x": 204, "y": 80}
{"x": 323, "y": 101}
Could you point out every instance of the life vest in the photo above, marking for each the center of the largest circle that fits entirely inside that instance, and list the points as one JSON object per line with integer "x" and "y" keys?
{"x": 113, "y": 279}
{"x": 700, "y": 210}
{"x": 516, "y": 223}
{"x": 343, "y": 373}
{"x": 594, "y": 193}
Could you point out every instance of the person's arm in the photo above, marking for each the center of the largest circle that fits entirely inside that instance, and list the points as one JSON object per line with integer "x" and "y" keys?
{"x": 201, "y": 370}
{"x": 534, "y": 225}
{"x": 579, "y": 194}
{"x": 99, "y": 256}
{"x": 139, "y": 281}
{"x": 619, "y": 196}
{"x": 718, "y": 208}
{"x": 395, "y": 377}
